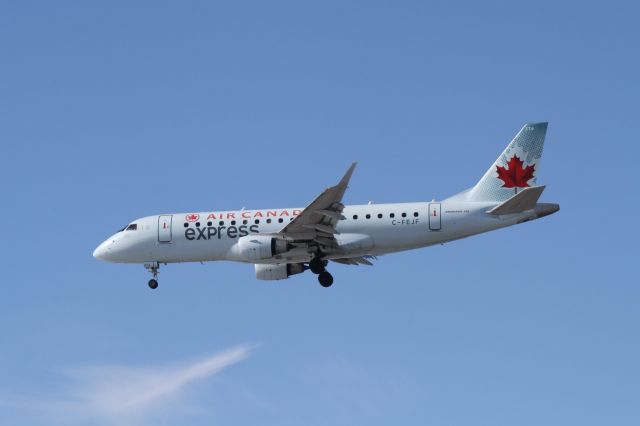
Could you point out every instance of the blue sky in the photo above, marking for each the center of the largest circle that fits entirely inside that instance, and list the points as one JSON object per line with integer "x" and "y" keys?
{"x": 117, "y": 110}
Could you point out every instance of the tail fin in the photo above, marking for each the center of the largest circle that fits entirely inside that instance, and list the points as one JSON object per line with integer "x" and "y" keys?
{"x": 517, "y": 167}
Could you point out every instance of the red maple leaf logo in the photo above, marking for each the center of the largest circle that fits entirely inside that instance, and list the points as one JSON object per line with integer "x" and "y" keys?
{"x": 515, "y": 176}
{"x": 192, "y": 217}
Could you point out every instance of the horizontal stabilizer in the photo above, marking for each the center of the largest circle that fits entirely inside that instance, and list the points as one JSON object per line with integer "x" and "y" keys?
{"x": 520, "y": 202}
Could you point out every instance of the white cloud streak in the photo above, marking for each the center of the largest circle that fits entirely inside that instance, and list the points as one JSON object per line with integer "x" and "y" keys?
{"x": 132, "y": 395}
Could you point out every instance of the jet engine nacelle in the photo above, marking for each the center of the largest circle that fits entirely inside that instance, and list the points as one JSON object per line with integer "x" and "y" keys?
{"x": 261, "y": 247}
{"x": 278, "y": 271}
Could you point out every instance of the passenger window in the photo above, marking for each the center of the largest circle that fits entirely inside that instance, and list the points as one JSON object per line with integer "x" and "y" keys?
{"x": 209, "y": 223}
{"x": 404, "y": 215}
{"x": 355, "y": 217}
{"x": 268, "y": 220}
{"x": 221, "y": 222}
{"x": 132, "y": 227}
{"x": 186, "y": 225}
{"x": 244, "y": 222}
{"x": 392, "y": 215}
{"x": 233, "y": 222}
{"x": 197, "y": 224}
{"x": 257, "y": 221}
{"x": 415, "y": 214}
{"x": 368, "y": 216}
{"x": 280, "y": 220}
{"x": 379, "y": 215}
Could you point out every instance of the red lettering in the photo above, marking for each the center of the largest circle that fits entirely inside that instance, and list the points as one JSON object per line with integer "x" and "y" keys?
{"x": 246, "y": 215}
{"x": 297, "y": 212}
{"x": 257, "y": 214}
{"x": 284, "y": 213}
{"x": 211, "y": 216}
{"x": 272, "y": 213}
{"x": 231, "y": 215}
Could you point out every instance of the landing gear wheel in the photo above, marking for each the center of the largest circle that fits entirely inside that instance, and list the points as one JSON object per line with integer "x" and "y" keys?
{"x": 316, "y": 266}
{"x": 153, "y": 267}
{"x": 325, "y": 279}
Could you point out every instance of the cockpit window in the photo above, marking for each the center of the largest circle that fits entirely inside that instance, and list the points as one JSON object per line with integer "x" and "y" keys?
{"x": 132, "y": 227}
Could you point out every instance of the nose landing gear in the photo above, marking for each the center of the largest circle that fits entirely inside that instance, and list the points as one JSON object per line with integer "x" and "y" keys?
{"x": 153, "y": 267}
{"x": 317, "y": 266}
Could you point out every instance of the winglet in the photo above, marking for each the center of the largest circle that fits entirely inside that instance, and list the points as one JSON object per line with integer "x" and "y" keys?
{"x": 347, "y": 176}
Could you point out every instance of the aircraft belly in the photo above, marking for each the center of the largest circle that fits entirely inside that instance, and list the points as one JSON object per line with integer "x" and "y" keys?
{"x": 192, "y": 251}
{"x": 385, "y": 237}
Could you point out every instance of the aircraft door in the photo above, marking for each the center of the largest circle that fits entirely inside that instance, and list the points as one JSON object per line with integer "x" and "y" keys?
{"x": 435, "y": 221}
{"x": 164, "y": 228}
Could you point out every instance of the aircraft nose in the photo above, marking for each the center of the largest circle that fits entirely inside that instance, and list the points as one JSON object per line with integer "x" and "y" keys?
{"x": 102, "y": 251}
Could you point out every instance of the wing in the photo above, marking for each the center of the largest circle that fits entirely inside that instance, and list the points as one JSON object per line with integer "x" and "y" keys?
{"x": 316, "y": 224}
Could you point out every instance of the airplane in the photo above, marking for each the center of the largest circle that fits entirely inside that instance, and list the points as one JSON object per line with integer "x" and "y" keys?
{"x": 285, "y": 242}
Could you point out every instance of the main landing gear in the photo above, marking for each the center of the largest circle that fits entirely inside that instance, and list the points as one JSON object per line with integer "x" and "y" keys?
{"x": 153, "y": 267}
{"x": 317, "y": 266}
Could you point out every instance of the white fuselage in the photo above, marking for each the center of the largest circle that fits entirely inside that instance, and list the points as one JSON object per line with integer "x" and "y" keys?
{"x": 371, "y": 229}
{"x": 285, "y": 242}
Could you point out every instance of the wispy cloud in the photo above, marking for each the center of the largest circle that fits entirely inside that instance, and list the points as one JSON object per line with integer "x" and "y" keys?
{"x": 125, "y": 395}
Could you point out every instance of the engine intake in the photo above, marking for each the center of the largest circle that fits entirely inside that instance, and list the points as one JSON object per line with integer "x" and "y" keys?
{"x": 278, "y": 271}
{"x": 261, "y": 247}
